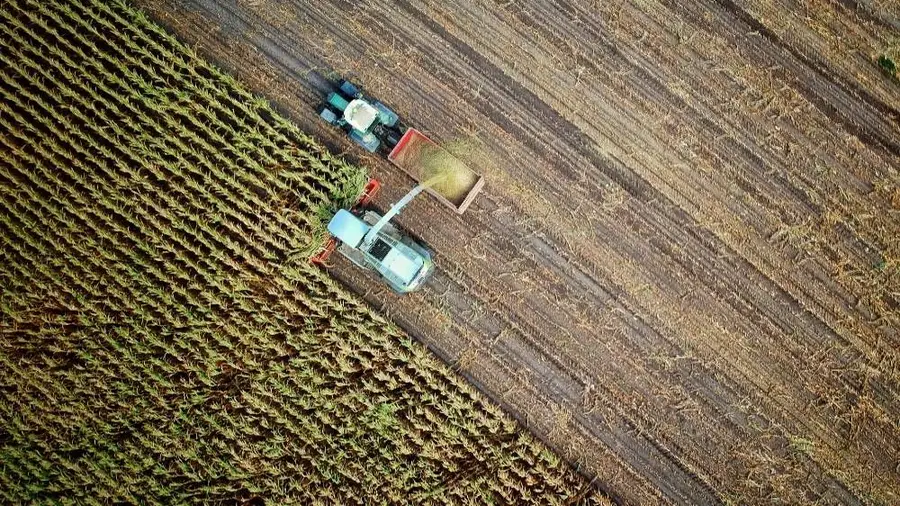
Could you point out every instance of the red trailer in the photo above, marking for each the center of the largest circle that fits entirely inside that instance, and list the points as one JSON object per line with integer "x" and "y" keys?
{"x": 421, "y": 158}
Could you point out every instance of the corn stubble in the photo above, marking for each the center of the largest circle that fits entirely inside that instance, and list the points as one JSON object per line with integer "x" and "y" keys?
{"x": 158, "y": 341}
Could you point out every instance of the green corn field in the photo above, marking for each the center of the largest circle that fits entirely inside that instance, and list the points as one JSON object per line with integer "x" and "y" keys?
{"x": 163, "y": 338}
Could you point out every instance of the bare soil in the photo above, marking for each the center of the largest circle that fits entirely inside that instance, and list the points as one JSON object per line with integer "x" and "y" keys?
{"x": 684, "y": 269}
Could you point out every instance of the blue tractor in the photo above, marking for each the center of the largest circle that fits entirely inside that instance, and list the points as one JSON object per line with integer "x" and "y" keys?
{"x": 368, "y": 122}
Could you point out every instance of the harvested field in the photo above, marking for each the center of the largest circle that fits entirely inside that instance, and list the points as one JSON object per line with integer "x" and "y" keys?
{"x": 163, "y": 338}
{"x": 684, "y": 269}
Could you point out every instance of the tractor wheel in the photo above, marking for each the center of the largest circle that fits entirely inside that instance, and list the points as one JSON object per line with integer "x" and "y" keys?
{"x": 328, "y": 115}
{"x": 348, "y": 89}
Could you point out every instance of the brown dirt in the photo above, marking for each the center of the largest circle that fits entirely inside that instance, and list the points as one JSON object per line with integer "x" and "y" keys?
{"x": 684, "y": 269}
